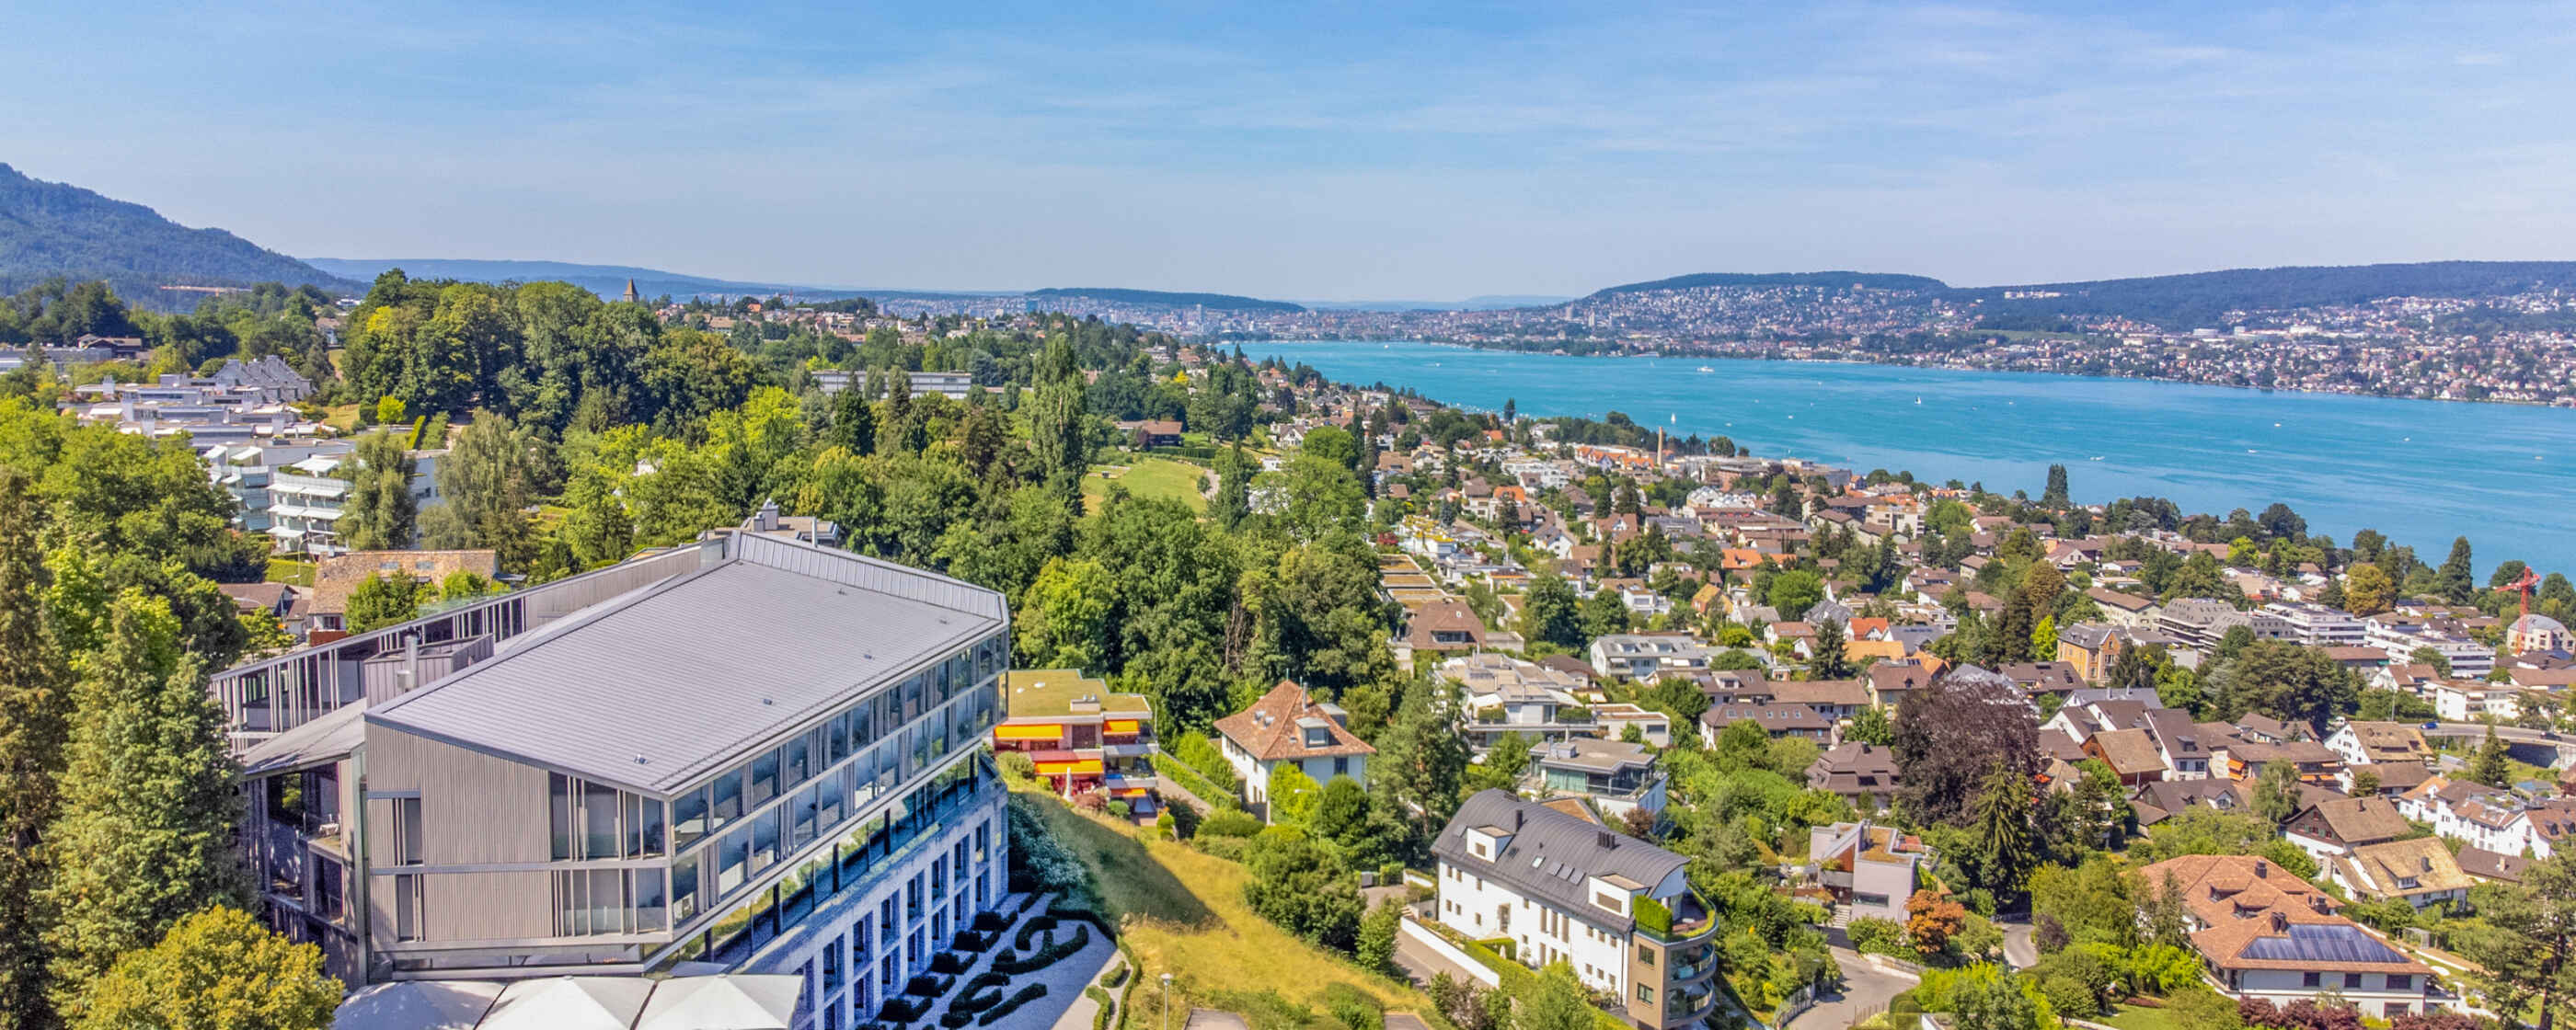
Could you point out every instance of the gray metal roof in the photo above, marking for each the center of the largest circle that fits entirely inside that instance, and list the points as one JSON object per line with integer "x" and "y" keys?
{"x": 326, "y": 739}
{"x": 1550, "y": 853}
{"x": 671, "y": 683}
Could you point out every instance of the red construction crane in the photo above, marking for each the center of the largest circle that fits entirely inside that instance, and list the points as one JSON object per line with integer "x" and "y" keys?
{"x": 2529, "y": 580}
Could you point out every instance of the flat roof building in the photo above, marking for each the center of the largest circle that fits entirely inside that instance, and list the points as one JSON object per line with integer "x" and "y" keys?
{"x": 749, "y": 754}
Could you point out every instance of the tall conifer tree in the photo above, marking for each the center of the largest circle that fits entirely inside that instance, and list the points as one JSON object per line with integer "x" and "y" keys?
{"x": 33, "y": 702}
{"x": 148, "y": 802}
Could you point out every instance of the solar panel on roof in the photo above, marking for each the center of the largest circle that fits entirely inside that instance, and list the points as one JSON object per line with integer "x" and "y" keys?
{"x": 2312, "y": 942}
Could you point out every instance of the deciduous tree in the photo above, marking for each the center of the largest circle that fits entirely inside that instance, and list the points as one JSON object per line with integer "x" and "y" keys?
{"x": 216, "y": 970}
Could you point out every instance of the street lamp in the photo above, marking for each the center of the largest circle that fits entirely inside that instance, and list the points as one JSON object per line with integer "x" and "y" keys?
{"x": 1167, "y": 1001}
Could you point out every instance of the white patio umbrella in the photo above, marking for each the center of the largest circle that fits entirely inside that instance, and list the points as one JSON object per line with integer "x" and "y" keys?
{"x": 738, "y": 1002}
{"x": 418, "y": 1005}
{"x": 570, "y": 1003}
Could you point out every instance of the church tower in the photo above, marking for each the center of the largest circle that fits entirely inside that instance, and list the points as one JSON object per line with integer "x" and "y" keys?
{"x": 630, "y": 291}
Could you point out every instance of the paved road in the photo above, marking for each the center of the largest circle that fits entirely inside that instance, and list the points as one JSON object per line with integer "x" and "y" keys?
{"x": 2508, "y": 734}
{"x": 1865, "y": 990}
{"x": 2019, "y": 950}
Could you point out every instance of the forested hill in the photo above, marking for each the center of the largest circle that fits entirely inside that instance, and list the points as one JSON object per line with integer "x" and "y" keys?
{"x": 2202, "y": 299}
{"x": 1836, "y": 280}
{"x": 50, "y": 229}
{"x": 1211, "y": 301}
{"x": 608, "y": 281}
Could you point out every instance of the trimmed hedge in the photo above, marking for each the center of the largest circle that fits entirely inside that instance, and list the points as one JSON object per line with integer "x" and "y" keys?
{"x": 1026, "y": 995}
{"x": 1035, "y": 925}
{"x": 991, "y": 921}
{"x": 1108, "y": 1008}
{"x": 929, "y": 985}
{"x": 1117, "y": 977}
{"x": 1046, "y": 956}
{"x": 898, "y": 1010}
{"x": 1201, "y": 754}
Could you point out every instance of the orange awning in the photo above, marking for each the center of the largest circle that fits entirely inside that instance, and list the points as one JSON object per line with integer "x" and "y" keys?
{"x": 1086, "y": 767}
{"x": 1125, "y": 726}
{"x": 1130, "y": 792}
{"x": 1038, "y": 732}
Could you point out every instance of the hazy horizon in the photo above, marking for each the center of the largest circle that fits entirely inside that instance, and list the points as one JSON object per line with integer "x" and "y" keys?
{"x": 1361, "y": 154}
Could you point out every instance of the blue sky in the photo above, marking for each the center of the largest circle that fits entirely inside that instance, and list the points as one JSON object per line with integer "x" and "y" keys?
{"x": 1321, "y": 151}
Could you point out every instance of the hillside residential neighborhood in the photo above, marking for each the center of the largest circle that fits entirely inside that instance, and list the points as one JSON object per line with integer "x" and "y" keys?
{"x": 1481, "y": 712}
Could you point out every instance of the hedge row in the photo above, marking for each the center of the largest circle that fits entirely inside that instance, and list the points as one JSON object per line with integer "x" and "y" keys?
{"x": 1043, "y": 957}
{"x": 1026, "y": 995}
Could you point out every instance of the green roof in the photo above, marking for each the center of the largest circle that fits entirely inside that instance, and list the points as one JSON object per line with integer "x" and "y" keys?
{"x": 1044, "y": 693}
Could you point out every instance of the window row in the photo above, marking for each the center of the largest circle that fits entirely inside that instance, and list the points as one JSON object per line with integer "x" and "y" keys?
{"x": 593, "y": 821}
{"x": 589, "y": 902}
{"x": 710, "y": 808}
{"x": 702, "y": 877}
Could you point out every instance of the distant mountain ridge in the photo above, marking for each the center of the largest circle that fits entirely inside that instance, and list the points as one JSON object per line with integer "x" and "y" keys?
{"x": 1211, "y": 301}
{"x": 605, "y": 280}
{"x": 2201, "y": 299}
{"x": 50, "y": 229}
{"x": 2189, "y": 300}
{"x": 1837, "y": 280}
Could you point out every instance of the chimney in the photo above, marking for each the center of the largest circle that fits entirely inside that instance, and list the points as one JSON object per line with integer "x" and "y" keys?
{"x": 2262, "y": 869}
{"x": 1608, "y": 839}
{"x": 1516, "y": 818}
{"x": 2280, "y": 922}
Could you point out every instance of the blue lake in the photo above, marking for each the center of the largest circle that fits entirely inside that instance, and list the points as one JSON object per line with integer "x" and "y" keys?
{"x": 2422, "y": 472}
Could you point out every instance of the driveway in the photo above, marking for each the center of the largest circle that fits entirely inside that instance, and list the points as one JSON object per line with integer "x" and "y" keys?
{"x": 1420, "y": 964}
{"x": 2019, "y": 950}
{"x": 1865, "y": 991}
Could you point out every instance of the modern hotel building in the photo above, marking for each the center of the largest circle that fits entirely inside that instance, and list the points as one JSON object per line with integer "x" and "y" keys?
{"x": 747, "y": 754}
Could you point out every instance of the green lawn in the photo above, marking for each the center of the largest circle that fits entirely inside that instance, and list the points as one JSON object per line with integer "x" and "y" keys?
{"x": 2140, "y": 1017}
{"x": 1147, "y": 477}
{"x": 1184, "y": 914}
{"x": 287, "y": 570}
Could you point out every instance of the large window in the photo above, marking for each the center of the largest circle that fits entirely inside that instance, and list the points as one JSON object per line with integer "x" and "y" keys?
{"x": 727, "y": 803}
{"x": 589, "y": 821}
{"x": 764, "y": 779}
{"x": 688, "y": 818}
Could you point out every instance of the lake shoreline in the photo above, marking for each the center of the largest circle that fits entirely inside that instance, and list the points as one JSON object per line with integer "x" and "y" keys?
{"x": 2418, "y": 473}
{"x": 1688, "y": 354}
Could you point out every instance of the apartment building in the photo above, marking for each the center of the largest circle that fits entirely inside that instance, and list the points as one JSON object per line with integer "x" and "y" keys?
{"x": 2316, "y": 625}
{"x": 1564, "y": 889}
{"x": 748, "y": 754}
{"x": 1612, "y": 777}
{"x": 1080, "y": 735}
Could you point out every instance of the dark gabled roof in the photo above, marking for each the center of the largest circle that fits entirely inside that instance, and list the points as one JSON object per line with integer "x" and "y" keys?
{"x": 1549, "y": 854}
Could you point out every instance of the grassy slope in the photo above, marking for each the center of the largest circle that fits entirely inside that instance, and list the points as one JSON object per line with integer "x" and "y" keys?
{"x": 1190, "y": 920}
{"x": 1149, "y": 477}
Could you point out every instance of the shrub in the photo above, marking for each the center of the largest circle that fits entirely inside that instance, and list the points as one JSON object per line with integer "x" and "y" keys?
{"x": 970, "y": 942}
{"x": 947, "y": 962}
{"x": 1227, "y": 848}
{"x": 901, "y": 1009}
{"x": 1026, "y": 995}
{"x": 1119, "y": 810}
{"x": 992, "y": 921}
{"x": 1019, "y": 767}
{"x": 1116, "y": 977}
{"x": 1185, "y": 820}
{"x": 986, "y": 979}
{"x": 1034, "y": 926}
{"x": 1232, "y": 822}
{"x": 1202, "y": 756}
{"x": 1879, "y": 936}
{"x": 1351, "y": 1007}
